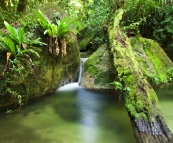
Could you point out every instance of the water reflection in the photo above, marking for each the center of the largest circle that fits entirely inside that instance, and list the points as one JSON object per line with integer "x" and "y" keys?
{"x": 77, "y": 115}
{"x": 89, "y": 110}
{"x": 166, "y": 101}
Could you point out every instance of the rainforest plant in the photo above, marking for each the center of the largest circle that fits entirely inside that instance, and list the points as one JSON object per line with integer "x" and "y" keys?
{"x": 56, "y": 32}
{"x": 18, "y": 57}
{"x": 15, "y": 34}
{"x": 14, "y": 42}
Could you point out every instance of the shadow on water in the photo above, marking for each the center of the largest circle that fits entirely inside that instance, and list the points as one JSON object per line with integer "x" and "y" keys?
{"x": 12, "y": 131}
{"x": 69, "y": 116}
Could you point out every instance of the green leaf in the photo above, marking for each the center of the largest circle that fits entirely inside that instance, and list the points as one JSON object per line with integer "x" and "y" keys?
{"x": 13, "y": 31}
{"x": 31, "y": 51}
{"x": 8, "y": 45}
{"x": 64, "y": 26}
{"x": 21, "y": 35}
{"x": 37, "y": 42}
{"x": 15, "y": 34}
{"x": 43, "y": 21}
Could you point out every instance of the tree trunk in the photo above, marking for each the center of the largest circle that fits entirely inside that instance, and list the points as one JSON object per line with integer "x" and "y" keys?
{"x": 154, "y": 132}
{"x": 141, "y": 100}
{"x": 22, "y": 6}
{"x": 2, "y": 4}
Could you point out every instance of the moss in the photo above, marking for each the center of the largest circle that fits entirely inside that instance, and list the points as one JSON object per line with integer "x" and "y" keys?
{"x": 98, "y": 69}
{"x": 51, "y": 72}
{"x": 141, "y": 99}
{"x": 151, "y": 58}
{"x": 102, "y": 80}
{"x": 90, "y": 66}
{"x": 86, "y": 40}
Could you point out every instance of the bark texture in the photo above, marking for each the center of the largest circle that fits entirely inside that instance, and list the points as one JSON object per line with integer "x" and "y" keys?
{"x": 141, "y": 100}
{"x": 2, "y": 4}
{"x": 152, "y": 132}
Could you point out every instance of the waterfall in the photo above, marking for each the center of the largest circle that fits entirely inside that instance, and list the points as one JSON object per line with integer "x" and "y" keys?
{"x": 75, "y": 85}
{"x": 82, "y": 61}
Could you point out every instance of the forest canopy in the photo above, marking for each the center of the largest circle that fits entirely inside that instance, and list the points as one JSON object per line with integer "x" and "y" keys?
{"x": 151, "y": 18}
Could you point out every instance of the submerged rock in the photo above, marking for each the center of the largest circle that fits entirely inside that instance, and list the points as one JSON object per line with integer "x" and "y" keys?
{"x": 47, "y": 73}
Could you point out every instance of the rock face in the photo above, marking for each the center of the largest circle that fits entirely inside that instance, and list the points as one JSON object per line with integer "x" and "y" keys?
{"x": 47, "y": 73}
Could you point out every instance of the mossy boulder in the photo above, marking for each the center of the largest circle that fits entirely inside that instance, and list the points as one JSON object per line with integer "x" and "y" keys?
{"x": 46, "y": 74}
{"x": 99, "y": 70}
{"x": 152, "y": 60}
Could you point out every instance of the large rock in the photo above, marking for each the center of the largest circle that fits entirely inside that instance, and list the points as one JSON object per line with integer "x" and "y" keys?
{"x": 99, "y": 70}
{"x": 47, "y": 75}
{"x": 152, "y": 60}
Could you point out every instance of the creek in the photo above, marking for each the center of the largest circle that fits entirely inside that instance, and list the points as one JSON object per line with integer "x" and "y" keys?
{"x": 75, "y": 115}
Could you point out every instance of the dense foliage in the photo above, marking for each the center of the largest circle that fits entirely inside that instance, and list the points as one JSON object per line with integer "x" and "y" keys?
{"x": 151, "y": 18}
{"x": 161, "y": 25}
{"x": 11, "y": 11}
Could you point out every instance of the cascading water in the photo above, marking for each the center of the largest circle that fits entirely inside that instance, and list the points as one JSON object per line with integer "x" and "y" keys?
{"x": 75, "y": 85}
{"x": 82, "y": 61}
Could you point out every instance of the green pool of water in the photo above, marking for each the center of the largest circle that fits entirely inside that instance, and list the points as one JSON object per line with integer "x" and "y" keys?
{"x": 74, "y": 116}
{"x": 166, "y": 101}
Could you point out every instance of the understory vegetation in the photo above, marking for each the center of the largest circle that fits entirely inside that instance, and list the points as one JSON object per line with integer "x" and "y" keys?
{"x": 22, "y": 49}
